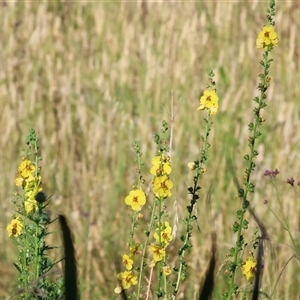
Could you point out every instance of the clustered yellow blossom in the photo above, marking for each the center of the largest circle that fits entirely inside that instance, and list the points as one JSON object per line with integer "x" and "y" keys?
{"x": 15, "y": 227}
{"x": 249, "y": 268}
{"x": 28, "y": 179}
{"x": 163, "y": 237}
{"x": 163, "y": 234}
{"x": 161, "y": 169}
{"x": 128, "y": 278}
{"x": 160, "y": 165}
{"x": 267, "y": 37}
{"x": 162, "y": 186}
{"x": 210, "y": 101}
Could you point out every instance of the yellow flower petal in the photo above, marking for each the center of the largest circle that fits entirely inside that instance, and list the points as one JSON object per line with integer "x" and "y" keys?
{"x": 249, "y": 268}
{"x": 15, "y": 227}
{"x": 136, "y": 199}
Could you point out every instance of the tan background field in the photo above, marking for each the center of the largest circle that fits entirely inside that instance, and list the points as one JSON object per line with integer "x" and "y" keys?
{"x": 93, "y": 77}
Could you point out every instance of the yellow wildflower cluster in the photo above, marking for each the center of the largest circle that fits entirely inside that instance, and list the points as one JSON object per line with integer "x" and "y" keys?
{"x": 163, "y": 234}
{"x": 128, "y": 278}
{"x": 161, "y": 169}
{"x": 163, "y": 237}
{"x": 249, "y": 268}
{"x": 160, "y": 166}
{"x": 28, "y": 179}
{"x": 267, "y": 37}
{"x": 210, "y": 101}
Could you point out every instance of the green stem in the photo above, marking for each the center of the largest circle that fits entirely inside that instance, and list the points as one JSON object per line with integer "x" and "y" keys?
{"x": 247, "y": 184}
{"x": 133, "y": 222}
{"x": 286, "y": 224}
{"x": 25, "y": 276}
{"x": 144, "y": 252}
{"x": 189, "y": 218}
{"x": 37, "y": 257}
{"x": 160, "y": 283}
{"x": 36, "y": 254}
{"x": 274, "y": 214}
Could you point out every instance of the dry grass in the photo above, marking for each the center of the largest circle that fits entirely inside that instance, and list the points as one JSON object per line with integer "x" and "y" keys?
{"x": 93, "y": 77}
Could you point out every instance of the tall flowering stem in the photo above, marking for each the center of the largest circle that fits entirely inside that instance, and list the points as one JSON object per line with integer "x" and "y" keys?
{"x": 161, "y": 188}
{"x": 208, "y": 102}
{"x": 267, "y": 39}
{"x": 30, "y": 228}
{"x": 136, "y": 199}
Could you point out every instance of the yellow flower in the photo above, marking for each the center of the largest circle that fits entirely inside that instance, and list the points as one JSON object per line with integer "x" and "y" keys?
{"x": 165, "y": 235}
{"x": 32, "y": 192}
{"x": 162, "y": 186}
{"x": 32, "y": 182}
{"x": 127, "y": 261}
{"x": 30, "y": 205}
{"x": 249, "y": 268}
{"x": 161, "y": 165}
{"x": 213, "y": 110}
{"x": 167, "y": 270}
{"x": 25, "y": 174}
{"x": 209, "y": 100}
{"x": 26, "y": 168}
{"x": 127, "y": 279}
{"x": 267, "y": 37}
{"x": 158, "y": 252}
{"x": 191, "y": 165}
{"x": 136, "y": 199}
{"x": 24, "y": 181}
{"x": 15, "y": 227}
{"x": 19, "y": 180}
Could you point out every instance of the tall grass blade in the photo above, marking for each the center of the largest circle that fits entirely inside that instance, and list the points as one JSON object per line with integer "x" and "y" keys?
{"x": 71, "y": 292}
{"x": 208, "y": 285}
{"x": 258, "y": 273}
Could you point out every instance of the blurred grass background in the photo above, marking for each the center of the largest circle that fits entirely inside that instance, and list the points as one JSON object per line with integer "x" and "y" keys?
{"x": 92, "y": 77}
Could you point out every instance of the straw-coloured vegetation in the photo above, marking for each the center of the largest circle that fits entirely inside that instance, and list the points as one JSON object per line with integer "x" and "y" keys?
{"x": 206, "y": 201}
